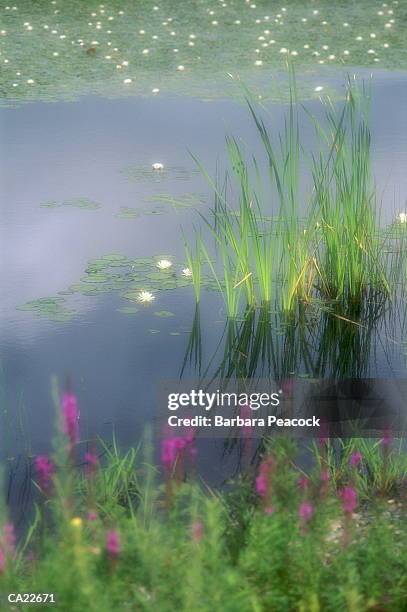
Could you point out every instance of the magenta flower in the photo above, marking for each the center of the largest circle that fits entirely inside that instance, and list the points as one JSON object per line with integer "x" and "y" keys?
{"x": 355, "y": 459}
{"x": 9, "y": 538}
{"x": 246, "y": 413}
{"x": 113, "y": 546}
{"x": 387, "y": 438}
{"x": 349, "y": 499}
{"x": 325, "y": 476}
{"x": 45, "y": 470}
{"x": 261, "y": 485}
{"x": 91, "y": 464}
{"x": 2, "y": 561}
{"x": 303, "y": 483}
{"x": 70, "y": 417}
{"x": 92, "y": 516}
{"x": 263, "y": 478}
{"x": 197, "y": 531}
{"x": 305, "y": 511}
{"x": 173, "y": 447}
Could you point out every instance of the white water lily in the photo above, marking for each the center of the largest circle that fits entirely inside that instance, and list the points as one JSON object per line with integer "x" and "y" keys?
{"x": 187, "y": 272}
{"x": 164, "y": 264}
{"x": 158, "y": 166}
{"x": 145, "y": 296}
{"x": 403, "y": 217}
{"x": 318, "y": 88}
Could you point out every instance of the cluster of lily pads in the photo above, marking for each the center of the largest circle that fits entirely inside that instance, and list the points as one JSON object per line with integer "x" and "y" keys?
{"x": 137, "y": 280}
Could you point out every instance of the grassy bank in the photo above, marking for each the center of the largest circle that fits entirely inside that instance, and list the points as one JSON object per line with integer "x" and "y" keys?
{"x": 112, "y": 531}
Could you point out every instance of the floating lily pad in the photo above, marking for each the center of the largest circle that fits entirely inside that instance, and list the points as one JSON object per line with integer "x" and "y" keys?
{"x": 137, "y": 173}
{"x": 128, "y": 310}
{"x": 82, "y": 203}
{"x": 128, "y": 213}
{"x": 51, "y": 307}
{"x": 164, "y": 314}
{"x": 187, "y": 200}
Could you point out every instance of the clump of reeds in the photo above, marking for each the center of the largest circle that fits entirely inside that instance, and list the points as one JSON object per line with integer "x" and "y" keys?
{"x": 274, "y": 244}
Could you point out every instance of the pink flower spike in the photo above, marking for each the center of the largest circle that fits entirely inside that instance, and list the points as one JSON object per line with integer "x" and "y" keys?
{"x": 197, "y": 531}
{"x": 325, "y": 476}
{"x": 91, "y": 464}
{"x": 306, "y": 511}
{"x": 355, "y": 459}
{"x": 261, "y": 485}
{"x": 2, "y": 561}
{"x": 303, "y": 483}
{"x": 387, "y": 438}
{"x": 9, "y": 538}
{"x": 70, "y": 417}
{"x": 45, "y": 470}
{"x": 113, "y": 546}
{"x": 349, "y": 499}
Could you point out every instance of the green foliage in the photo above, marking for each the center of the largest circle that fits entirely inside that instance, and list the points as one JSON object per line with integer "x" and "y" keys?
{"x": 186, "y": 547}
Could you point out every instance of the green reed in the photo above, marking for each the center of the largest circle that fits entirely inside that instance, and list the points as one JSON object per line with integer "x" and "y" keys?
{"x": 277, "y": 245}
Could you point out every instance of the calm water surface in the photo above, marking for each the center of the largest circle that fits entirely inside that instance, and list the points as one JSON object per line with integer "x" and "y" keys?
{"x": 59, "y": 151}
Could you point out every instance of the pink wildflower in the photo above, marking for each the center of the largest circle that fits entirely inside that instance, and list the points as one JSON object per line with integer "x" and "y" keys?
{"x": 2, "y": 561}
{"x": 303, "y": 483}
{"x": 387, "y": 438}
{"x": 113, "y": 546}
{"x": 246, "y": 413}
{"x": 70, "y": 417}
{"x": 269, "y": 510}
{"x": 91, "y": 464}
{"x": 355, "y": 459}
{"x": 197, "y": 531}
{"x": 325, "y": 476}
{"x": 173, "y": 447}
{"x": 263, "y": 478}
{"x": 9, "y": 538}
{"x": 92, "y": 516}
{"x": 349, "y": 499}
{"x": 44, "y": 469}
{"x": 305, "y": 511}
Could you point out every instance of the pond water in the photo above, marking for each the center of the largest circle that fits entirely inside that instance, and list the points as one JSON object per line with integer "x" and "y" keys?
{"x": 77, "y": 185}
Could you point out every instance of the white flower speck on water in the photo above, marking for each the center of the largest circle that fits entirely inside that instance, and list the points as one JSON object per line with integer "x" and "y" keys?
{"x": 127, "y": 81}
{"x": 145, "y": 51}
{"x": 402, "y": 217}
{"x": 318, "y": 88}
{"x": 187, "y": 272}
{"x": 258, "y": 63}
{"x": 155, "y": 90}
{"x": 145, "y": 296}
{"x": 158, "y": 166}
{"x": 346, "y": 52}
{"x": 180, "y": 68}
{"x": 30, "y": 81}
{"x": 283, "y": 50}
{"x": 164, "y": 264}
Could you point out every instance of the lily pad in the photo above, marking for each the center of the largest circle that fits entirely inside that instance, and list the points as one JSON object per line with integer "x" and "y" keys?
{"x": 164, "y": 314}
{"x": 128, "y": 309}
{"x": 84, "y": 203}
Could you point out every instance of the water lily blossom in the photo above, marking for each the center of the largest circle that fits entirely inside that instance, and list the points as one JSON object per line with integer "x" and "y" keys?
{"x": 158, "y": 166}
{"x": 187, "y": 272}
{"x": 164, "y": 264}
{"x": 145, "y": 297}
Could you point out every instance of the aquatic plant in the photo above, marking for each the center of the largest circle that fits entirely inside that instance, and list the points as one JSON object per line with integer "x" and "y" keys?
{"x": 273, "y": 244}
{"x": 206, "y": 545}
